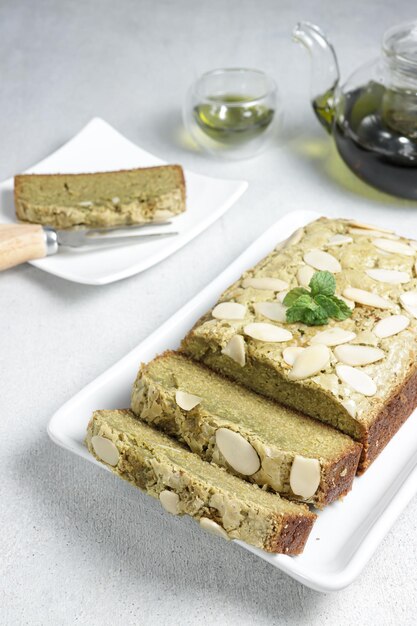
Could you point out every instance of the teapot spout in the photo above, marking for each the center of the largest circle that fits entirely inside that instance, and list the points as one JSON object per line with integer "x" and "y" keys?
{"x": 325, "y": 70}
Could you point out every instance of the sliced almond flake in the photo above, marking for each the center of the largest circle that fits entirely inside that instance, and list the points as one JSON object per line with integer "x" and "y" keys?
{"x": 237, "y": 451}
{"x": 409, "y": 297}
{"x": 274, "y": 311}
{"x": 392, "y": 277}
{"x": 235, "y": 350}
{"x": 394, "y": 247}
{"x": 367, "y": 298}
{"x": 413, "y": 243}
{"x": 357, "y": 379}
{"x": 322, "y": 261}
{"x": 310, "y": 362}
{"x": 358, "y": 355}
{"x": 333, "y": 336}
{"x": 304, "y": 476}
{"x": 408, "y": 300}
{"x": 185, "y": 400}
{"x": 350, "y": 406}
{"x": 295, "y": 237}
{"x": 328, "y": 381}
{"x": 281, "y": 295}
{"x": 160, "y": 214}
{"x": 304, "y": 275}
{"x": 339, "y": 240}
{"x": 263, "y": 331}
{"x": 229, "y": 311}
{"x": 365, "y": 226}
{"x": 213, "y": 527}
{"x": 373, "y": 233}
{"x": 412, "y": 310}
{"x": 265, "y": 282}
{"x": 291, "y": 353}
{"x": 170, "y": 501}
{"x": 391, "y": 325}
{"x": 105, "y": 449}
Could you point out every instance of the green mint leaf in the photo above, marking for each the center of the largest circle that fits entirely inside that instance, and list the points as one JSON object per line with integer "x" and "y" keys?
{"x": 344, "y": 311}
{"x": 328, "y": 304}
{"x": 335, "y": 308}
{"x": 295, "y": 314}
{"x": 292, "y": 295}
{"x": 305, "y": 301}
{"x": 316, "y": 318}
{"x": 307, "y": 311}
{"x": 314, "y": 307}
{"x": 322, "y": 283}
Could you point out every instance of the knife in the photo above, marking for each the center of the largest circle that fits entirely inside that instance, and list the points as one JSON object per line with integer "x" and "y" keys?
{"x": 26, "y": 242}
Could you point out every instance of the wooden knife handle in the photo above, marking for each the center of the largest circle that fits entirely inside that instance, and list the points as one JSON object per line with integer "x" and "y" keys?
{"x": 20, "y": 243}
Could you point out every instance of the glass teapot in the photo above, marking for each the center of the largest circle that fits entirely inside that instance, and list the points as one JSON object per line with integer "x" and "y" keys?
{"x": 373, "y": 115}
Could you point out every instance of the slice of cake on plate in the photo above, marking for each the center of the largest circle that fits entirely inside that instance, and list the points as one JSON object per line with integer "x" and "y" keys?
{"x": 102, "y": 199}
{"x": 186, "y": 485}
{"x": 251, "y": 436}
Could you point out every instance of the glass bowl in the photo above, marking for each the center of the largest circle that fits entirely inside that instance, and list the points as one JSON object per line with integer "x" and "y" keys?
{"x": 232, "y": 113}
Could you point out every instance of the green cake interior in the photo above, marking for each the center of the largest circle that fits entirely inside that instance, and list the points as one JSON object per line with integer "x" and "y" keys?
{"x": 111, "y": 188}
{"x": 284, "y": 428}
{"x": 147, "y": 444}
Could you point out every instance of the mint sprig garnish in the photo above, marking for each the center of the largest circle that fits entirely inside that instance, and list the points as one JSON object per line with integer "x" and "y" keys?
{"x": 314, "y": 307}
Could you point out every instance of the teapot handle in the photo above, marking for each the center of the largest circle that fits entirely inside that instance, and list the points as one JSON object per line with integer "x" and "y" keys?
{"x": 325, "y": 69}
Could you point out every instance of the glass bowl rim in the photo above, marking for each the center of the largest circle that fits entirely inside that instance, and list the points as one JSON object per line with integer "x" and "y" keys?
{"x": 270, "y": 91}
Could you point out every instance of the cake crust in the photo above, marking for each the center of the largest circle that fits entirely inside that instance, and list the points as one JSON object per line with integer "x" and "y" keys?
{"x": 389, "y": 420}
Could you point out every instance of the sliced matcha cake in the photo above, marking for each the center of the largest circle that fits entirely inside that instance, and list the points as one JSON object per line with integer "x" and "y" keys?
{"x": 221, "y": 503}
{"x": 249, "y": 435}
{"x": 101, "y": 199}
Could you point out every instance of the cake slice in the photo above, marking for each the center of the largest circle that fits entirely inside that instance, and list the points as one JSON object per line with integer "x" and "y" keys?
{"x": 184, "y": 484}
{"x": 103, "y": 199}
{"x": 358, "y": 374}
{"x": 249, "y": 435}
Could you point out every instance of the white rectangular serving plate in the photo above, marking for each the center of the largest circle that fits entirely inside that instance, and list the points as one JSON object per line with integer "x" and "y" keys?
{"x": 347, "y": 532}
{"x": 98, "y": 147}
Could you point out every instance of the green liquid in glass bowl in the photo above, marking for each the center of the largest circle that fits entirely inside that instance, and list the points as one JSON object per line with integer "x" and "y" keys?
{"x": 231, "y": 125}
{"x": 232, "y": 113}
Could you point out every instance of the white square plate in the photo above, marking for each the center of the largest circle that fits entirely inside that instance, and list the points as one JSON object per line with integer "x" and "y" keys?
{"x": 346, "y": 533}
{"x": 98, "y": 148}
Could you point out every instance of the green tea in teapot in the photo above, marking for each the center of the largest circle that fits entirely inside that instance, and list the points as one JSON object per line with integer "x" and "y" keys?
{"x": 373, "y": 116}
{"x": 376, "y": 135}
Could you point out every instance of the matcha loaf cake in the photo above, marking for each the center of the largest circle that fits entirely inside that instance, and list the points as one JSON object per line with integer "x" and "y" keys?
{"x": 184, "y": 484}
{"x": 342, "y": 347}
{"x": 103, "y": 199}
{"x": 251, "y": 436}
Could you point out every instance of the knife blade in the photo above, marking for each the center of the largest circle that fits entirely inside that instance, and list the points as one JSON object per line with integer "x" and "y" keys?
{"x": 81, "y": 237}
{"x": 26, "y": 242}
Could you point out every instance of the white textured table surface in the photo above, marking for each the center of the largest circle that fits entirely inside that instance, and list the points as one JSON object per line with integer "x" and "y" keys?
{"x": 76, "y": 546}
